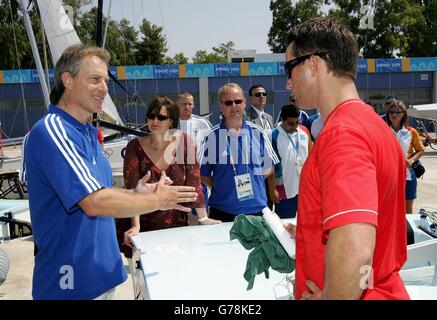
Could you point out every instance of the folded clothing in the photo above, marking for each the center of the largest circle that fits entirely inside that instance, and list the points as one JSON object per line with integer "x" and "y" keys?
{"x": 254, "y": 233}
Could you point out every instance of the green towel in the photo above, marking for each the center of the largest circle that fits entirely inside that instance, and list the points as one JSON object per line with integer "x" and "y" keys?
{"x": 253, "y": 232}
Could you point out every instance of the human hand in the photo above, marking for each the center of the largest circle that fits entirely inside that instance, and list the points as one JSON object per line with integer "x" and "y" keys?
{"x": 409, "y": 162}
{"x": 130, "y": 233}
{"x": 145, "y": 188}
{"x": 210, "y": 221}
{"x": 170, "y": 197}
{"x": 291, "y": 228}
{"x": 274, "y": 196}
{"x": 314, "y": 293}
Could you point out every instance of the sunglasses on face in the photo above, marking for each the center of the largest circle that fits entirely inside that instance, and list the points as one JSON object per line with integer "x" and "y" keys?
{"x": 229, "y": 103}
{"x": 290, "y": 65}
{"x": 259, "y": 94}
{"x": 160, "y": 117}
{"x": 291, "y": 123}
{"x": 395, "y": 112}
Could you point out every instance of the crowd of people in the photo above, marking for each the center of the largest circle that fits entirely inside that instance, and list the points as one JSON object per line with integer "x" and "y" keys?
{"x": 345, "y": 172}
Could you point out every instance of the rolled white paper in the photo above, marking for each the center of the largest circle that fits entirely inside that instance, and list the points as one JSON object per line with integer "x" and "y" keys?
{"x": 280, "y": 232}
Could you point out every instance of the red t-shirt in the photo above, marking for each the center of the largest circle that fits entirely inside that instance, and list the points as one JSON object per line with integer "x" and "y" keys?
{"x": 354, "y": 174}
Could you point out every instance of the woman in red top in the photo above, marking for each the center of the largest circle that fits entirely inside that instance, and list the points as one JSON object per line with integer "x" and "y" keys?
{"x": 166, "y": 148}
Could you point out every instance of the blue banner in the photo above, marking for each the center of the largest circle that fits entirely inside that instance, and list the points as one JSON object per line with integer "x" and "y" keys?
{"x": 362, "y": 66}
{"x": 280, "y": 66}
{"x": 35, "y": 75}
{"x": 263, "y": 68}
{"x": 227, "y": 69}
{"x": 113, "y": 71}
{"x": 166, "y": 71}
{"x": 13, "y": 76}
{"x": 423, "y": 64}
{"x": 388, "y": 65}
{"x": 139, "y": 72}
{"x": 199, "y": 70}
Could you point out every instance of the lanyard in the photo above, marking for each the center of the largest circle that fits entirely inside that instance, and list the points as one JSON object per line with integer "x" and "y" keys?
{"x": 244, "y": 155}
{"x": 295, "y": 146}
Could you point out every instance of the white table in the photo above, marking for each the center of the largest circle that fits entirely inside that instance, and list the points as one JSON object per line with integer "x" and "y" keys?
{"x": 199, "y": 262}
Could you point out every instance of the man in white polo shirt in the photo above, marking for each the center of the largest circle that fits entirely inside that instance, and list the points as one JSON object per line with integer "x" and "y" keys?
{"x": 193, "y": 125}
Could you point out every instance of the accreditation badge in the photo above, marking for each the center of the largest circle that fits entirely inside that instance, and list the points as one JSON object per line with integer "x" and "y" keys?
{"x": 243, "y": 185}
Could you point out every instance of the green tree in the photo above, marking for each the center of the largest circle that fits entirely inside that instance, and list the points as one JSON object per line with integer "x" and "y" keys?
{"x": 287, "y": 16}
{"x": 179, "y": 58}
{"x": 153, "y": 45}
{"x": 224, "y": 48}
{"x": 129, "y": 38}
{"x": 116, "y": 43}
{"x": 219, "y": 54}
{"x": 15, "y": 49}
{"x": 391, "y": 28}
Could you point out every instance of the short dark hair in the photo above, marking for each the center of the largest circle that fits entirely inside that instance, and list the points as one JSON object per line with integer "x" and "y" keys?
{"x": 255, "y": 86}
{"x": 290, "y": 111}
{"x": 325, "y": 34}
{"x": 172, "y": 110}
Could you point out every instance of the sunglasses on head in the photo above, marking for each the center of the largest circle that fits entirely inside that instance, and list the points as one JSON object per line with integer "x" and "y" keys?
{"x": 160, "y": 117}
{"x": 259, "y": 94}
{"x": 396, "y": 112}
{"x": 229, "y": 103}
{"x": 290, "y": 65}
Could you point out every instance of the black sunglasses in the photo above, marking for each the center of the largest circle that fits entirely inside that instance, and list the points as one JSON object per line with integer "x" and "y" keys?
{"x": 160, "y": 117}
{"x": 291, "y": 123}
{"x": 289, "y": 65}
{"x": 229, "y": 103}
{"x": 395, "y": 112}
{"x": 259, "y": 94}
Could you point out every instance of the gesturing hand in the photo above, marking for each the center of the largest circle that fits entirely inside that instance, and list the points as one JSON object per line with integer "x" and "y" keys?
{"x": 170, "y": 197}
{"x": 144, "y": 187}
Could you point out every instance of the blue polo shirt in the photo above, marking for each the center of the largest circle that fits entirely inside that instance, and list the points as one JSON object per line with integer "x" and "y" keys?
{"x": 78, "y": 256}
{"x": 255, "y": 155}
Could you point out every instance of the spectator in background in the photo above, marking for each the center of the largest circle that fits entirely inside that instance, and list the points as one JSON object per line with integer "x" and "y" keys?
{"x": 292, "y": 144}
{"x": 411, "y": 145}
{"x": 315, "y": 125}
{"x": 193, "y": 125}
{"x": 386, "y": 105}
{"x": 236, "y": 149}
{"x": 257, "y": 115}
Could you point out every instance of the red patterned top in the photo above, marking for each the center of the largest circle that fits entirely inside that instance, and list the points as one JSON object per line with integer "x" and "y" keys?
{"x": 184, "y": 172}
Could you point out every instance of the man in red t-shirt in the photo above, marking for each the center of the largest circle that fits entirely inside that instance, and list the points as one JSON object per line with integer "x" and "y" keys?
{"x": 351, "y": 229}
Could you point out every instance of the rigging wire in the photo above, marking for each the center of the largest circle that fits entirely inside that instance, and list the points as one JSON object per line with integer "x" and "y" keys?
{"x": 19, "y": 70}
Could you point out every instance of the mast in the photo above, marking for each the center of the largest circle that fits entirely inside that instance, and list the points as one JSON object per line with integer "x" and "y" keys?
{"x": 98, "y": 40}
{"x": 36, "y": 57}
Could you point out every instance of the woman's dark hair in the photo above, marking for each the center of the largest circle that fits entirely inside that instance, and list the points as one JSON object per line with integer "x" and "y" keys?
{"x": 172, "y": 110}
{"x": 290, "y": 111}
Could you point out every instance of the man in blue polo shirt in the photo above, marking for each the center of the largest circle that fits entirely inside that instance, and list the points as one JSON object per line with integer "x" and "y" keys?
{"x": 236, "y": 158}
{"x": 71, "y": 201}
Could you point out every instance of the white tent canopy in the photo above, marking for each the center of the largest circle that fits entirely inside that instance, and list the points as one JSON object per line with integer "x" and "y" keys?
{"x": 423, "y": 111}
